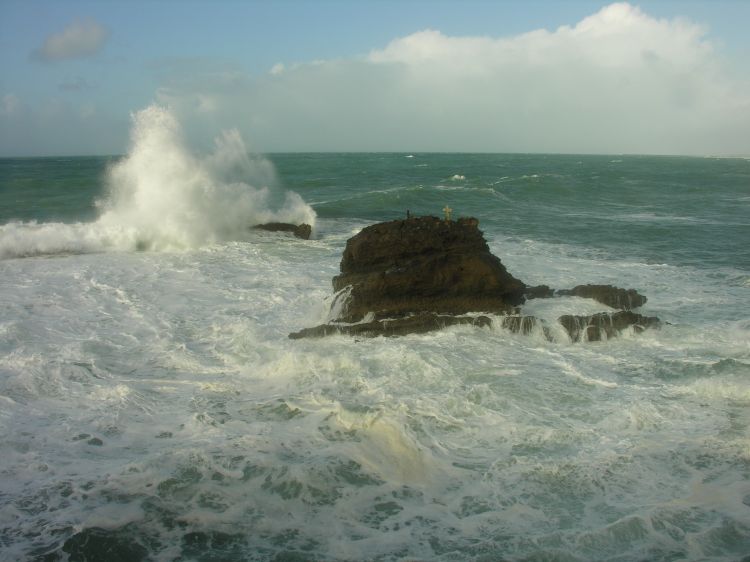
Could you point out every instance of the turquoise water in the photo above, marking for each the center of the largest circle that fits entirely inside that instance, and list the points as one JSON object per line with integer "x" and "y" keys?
{"x": 50, "y": 189}
{"x": 661, "y": 209}
{"x": 153, "y": 408}
{"x": 677, "y": 210}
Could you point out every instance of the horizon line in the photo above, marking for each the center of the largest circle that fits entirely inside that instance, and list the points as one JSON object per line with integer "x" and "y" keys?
{"x": 420, "y": 152}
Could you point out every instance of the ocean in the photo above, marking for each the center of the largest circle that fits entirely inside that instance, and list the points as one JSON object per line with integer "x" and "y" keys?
{"x": 152, "y": 406}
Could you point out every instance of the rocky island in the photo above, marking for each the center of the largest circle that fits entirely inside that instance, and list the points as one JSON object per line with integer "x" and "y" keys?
{"x": 298, "y": 230}
{"x": 424, "y": 273}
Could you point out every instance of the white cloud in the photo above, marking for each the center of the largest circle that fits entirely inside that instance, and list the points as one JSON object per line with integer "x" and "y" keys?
{"x": 618, "y": 81}
{"x": 79, "y": 39}
{"x": 615, "y": 37}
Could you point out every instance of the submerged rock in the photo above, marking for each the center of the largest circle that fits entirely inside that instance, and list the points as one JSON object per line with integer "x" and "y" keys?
{"x": 622, "y": 299}
{"x": 520, "y": 324}
{"x": 594, "y": 327}
{"x": 539, "y": 292}
{"x": 605, "y": 325}
{"x": 417, "y": 324}
{"x": 299, "y": 230}
{"x": 424, "y": 264}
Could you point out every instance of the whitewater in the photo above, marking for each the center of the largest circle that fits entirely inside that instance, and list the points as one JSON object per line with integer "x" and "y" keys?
{"x": 152, "y": 406}
{"x": 162, "y": 197}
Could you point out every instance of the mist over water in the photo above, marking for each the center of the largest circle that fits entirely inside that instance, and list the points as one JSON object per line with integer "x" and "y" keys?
{"x": 161, "y": 196}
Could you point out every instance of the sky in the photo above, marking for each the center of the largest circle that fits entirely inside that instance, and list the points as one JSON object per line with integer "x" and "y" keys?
{"x": 544, "y": 76}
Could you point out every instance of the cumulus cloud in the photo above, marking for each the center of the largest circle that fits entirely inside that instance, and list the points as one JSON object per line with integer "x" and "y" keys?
{"x": 79, "y": 39}
{"x": 618, "y": 81}
{"x": 615, "y": 37}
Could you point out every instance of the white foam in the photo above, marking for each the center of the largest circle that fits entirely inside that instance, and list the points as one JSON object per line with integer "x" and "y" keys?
{"x": 212, "y": 421}
{"x": 161, "y": 196}
{"x": 19, "y": 239}
{"x": 385, "y": 448}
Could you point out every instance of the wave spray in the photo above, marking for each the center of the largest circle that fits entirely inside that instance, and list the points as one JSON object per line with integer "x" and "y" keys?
{"x": 161, "y": 196}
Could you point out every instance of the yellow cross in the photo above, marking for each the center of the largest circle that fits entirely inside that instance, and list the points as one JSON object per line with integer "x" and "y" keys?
{"x": 447, "y": 210}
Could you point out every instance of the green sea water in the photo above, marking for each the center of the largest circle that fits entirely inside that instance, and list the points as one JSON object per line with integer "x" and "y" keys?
{"x": 678, "y": 210}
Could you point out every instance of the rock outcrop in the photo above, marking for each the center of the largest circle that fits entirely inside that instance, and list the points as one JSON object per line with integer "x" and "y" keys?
{"x": 594, "y": 327}
{"x": 299, "y": 230}
{"x": 424, "y": 273}
{"x": 526, "y": 325}
{"x": 539, "y": 292}
{"x": 424, "y": 264}
{"x": 417, "y": 324}
{"x": 622, "y": 299}
{"x": 604, "y": 325}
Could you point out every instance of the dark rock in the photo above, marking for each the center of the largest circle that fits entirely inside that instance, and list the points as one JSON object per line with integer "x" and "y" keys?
{"x": 522, "y": 324}
{"x": 525, "y": 325}
{"x": 303, "y": 231}
{"x": 417, "y": 324}
{"x": 539, "y": 292}
{"x": 605, "y": 325}
{"x": 299, "y": 230}
{"x": 423, "y": 273}
{"x": 424, "y": 264}
{"x": 624, "y": 299}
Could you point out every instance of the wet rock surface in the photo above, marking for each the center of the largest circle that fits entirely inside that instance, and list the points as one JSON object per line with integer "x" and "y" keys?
{"x": 604, "y": 325}
{"x": 417, "y": 324}
{"x": 424, "y": 264}
{"x": 539, "y": 292}
{"x": 299, "y": 230}
{"x": 521, "y": 324}
{"x": 622, "y": 299}
{"x": 423, "y": 274}
{"x": 593, "y": 327}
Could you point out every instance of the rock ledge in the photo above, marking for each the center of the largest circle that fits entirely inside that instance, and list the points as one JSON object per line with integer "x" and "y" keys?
{"x": 299, "y": 230}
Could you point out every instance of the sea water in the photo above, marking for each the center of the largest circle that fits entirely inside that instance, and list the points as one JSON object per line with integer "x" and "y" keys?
{"x": 153, "y": 408}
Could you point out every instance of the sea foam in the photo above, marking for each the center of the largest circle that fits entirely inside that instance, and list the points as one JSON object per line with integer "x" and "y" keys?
{"x": 162, "y": 196}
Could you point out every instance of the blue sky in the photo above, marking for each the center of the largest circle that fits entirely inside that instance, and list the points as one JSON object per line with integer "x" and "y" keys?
{"x": 537, "y": 76}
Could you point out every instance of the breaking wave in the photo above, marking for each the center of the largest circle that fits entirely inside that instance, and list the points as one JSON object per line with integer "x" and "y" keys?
{"x": 161, "y": 196}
